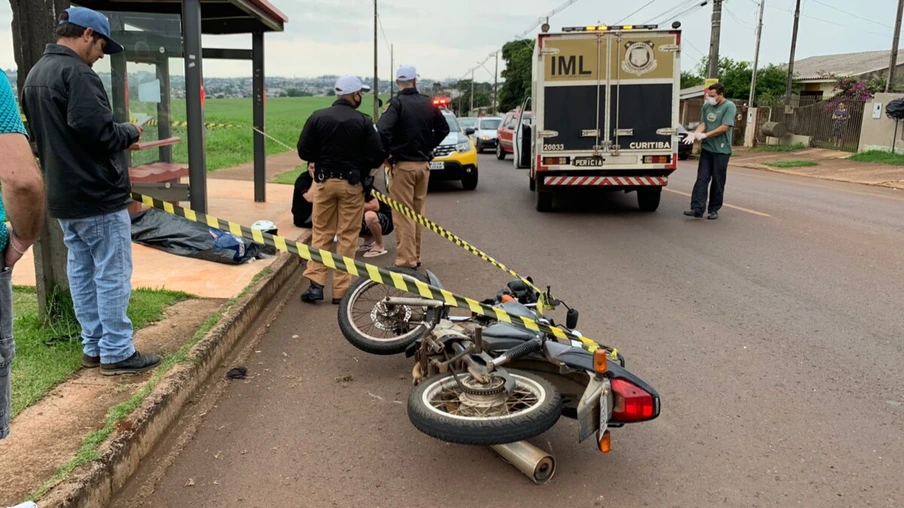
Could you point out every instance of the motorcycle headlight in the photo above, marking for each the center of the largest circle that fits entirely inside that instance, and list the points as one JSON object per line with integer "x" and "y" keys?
{"x": 463, "y": 146}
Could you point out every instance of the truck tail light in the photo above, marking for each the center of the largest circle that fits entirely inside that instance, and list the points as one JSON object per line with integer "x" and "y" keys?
{"x": 540, "y": 165}
{"x": 657, "y": 159}
{"x": 555, "y": 161}
{"x": 674, "y": 163}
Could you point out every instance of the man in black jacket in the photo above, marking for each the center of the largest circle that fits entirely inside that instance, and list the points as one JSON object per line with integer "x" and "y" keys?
{"x": 344, "y": 146}
{"x": 81, "y": 150}
{"x": 411, "y": 128}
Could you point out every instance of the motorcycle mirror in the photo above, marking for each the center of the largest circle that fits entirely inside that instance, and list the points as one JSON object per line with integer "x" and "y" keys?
{"x": 571, "y": 319}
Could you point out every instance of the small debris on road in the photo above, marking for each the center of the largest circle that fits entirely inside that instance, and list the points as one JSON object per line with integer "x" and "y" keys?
{"x": 237, "y": 373}
{"x": 348, "y": 378}
{"x": 190, "y": 482}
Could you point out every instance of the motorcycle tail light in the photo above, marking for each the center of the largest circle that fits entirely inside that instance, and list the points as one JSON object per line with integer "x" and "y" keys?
{"x": 632, "y": 403}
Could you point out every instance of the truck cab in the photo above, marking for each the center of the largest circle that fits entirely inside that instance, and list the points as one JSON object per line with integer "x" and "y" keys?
{"x": 605, "y": 112}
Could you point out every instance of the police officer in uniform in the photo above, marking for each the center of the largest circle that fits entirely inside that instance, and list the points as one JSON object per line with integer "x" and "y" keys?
{"x": 410, "y": 128}
{"x": 343, "y": 146}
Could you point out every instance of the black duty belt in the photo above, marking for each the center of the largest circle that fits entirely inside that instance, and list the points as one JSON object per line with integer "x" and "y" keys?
{"x": 352, "y": 177}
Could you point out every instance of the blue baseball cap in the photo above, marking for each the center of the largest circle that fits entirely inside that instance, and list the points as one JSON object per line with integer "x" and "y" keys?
{"x": 88, "y": 18}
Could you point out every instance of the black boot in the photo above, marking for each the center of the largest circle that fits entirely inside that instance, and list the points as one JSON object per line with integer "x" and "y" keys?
{"x": 313, "y": 294}
{"x": 134, "y": 364}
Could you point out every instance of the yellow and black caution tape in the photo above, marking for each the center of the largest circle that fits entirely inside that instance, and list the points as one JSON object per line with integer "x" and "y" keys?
{"x": 445, "y": 233}
{"x": 372, "y": 272}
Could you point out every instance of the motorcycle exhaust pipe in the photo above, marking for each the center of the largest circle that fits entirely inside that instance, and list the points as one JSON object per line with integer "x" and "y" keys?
{"x": 535, "y": 463}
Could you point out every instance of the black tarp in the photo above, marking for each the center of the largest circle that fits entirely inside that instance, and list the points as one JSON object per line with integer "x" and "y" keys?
{"x": 182, "y": 237}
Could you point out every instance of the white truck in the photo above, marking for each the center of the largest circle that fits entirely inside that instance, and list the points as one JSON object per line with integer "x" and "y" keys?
{"x": 605, "y": 112}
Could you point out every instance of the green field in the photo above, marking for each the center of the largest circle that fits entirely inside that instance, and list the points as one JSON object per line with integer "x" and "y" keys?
{"x": 227, "y": 147}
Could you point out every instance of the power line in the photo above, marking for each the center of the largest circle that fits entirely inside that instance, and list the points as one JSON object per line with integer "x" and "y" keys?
{"x": 385, "y": 39}
{"x": 853, "y": 15}
{"x": 834, "y": 23}
{"x": 635, "y": 12}
{"x": 743, "y": 24}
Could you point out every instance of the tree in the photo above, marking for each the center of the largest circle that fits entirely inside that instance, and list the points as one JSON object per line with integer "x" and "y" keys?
{"x": 518, "y": 57}
{"x": 33, "y": 26}
{"x": 852, "y": 90}
{"x": 736, "y": 76}
{"x": 689, "y": 79}
{"x": 482, "y": 96}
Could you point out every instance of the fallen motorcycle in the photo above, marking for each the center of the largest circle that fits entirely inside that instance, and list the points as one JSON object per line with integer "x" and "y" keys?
{"x": 480, "y": 381}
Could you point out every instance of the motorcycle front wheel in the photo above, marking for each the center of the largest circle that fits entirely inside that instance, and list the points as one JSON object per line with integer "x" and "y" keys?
{"x": 374, "y": 327}
{"x": 472, "y": 413}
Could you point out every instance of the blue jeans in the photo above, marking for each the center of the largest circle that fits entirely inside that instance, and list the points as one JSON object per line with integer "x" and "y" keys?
{"x": 7, "y": 346}
{"x": 100, "y": 280}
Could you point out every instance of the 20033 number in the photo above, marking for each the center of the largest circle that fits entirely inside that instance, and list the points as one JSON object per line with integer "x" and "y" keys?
{"x": 554, "y": 147}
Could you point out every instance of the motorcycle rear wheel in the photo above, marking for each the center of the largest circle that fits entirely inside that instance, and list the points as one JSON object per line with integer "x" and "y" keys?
{"x": 381, "y": 330}
{"x": 439, "y": 408}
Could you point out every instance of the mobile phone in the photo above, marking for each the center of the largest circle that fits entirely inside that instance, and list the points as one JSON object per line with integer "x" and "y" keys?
{"x": 143, "y": 121}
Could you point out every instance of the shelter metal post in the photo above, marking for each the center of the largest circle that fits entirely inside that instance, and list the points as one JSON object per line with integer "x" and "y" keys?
{"x": 259, "y": 91}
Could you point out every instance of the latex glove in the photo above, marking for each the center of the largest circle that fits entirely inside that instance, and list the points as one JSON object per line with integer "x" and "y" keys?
{"x": 690, "y": 138}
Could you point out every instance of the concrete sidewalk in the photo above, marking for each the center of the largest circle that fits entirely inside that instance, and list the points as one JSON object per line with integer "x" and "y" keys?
{"x": 830, "y": 165}
{"x": 231, "y": 200}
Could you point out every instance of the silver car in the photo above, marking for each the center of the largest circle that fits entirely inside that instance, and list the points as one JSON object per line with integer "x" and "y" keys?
{"x": 485, "y": 132}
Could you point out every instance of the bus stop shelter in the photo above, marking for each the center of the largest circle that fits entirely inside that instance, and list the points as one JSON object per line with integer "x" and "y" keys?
{"x": 155, "y": 32}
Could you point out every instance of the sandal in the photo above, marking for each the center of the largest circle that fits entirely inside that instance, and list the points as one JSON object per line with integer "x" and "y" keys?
{"x": 375, "y": 253}
{"x": 364, "y": 247}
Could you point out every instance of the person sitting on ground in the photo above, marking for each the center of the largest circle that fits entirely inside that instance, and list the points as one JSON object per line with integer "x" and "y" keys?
{"x": 302, "y": 207}
{"x": 376, "y": 224}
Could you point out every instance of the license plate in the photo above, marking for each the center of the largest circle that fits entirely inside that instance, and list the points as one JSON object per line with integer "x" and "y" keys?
{"x": 586, "y": 162}
{"x": 437, "y": 165}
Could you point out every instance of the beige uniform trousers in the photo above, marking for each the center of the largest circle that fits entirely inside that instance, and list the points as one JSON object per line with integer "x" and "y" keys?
{"x": 409, "y": 187}
{"x": 338, "y": 210}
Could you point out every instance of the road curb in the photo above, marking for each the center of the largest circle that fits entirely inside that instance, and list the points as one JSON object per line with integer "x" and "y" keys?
{"x": 761, "y": 167}
{"x": 94, "y": 485}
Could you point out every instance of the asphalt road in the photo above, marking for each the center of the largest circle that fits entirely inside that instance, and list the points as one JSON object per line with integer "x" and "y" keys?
{"x": 773, "y": 335}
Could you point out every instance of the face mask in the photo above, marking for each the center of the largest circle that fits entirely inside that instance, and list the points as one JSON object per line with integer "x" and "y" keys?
{"x": 358, "y": 101}
{"x": 711, "y": 101}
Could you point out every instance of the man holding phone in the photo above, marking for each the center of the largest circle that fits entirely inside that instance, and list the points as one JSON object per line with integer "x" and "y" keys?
{"x": 82, "y": 151}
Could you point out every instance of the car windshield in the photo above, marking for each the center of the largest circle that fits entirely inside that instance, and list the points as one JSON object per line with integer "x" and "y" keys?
{"x": 467, "y": 122}
{"x": 453, "y": 123}
{"x": 489, "y": 124}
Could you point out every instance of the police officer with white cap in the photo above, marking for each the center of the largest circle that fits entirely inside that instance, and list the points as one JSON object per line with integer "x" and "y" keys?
{"x": 344, "y": 145}
{"x": 410, "y": 128}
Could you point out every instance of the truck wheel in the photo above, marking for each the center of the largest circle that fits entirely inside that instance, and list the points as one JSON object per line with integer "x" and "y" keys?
{"x": 532, "y": 184}
{"x": 648, "y": 200}
{"x": 500, "y": 153}
{"x": 469, "y": 180}
{"x": 544, "y": 201}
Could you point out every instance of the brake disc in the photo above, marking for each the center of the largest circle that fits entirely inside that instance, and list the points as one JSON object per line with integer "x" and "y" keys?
{"x": 387, "y": 319}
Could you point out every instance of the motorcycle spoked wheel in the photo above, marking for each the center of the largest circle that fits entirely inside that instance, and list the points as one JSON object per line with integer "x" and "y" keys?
{"x": 376, "y": 328}
{"x": 484, "y": 415}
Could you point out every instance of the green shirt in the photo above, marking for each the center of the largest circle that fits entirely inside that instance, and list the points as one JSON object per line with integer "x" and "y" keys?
{"x": 714, "y": 117}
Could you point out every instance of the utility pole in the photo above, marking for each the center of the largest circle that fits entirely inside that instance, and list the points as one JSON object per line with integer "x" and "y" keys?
{"x": 893, "y": 60}
{"x": 391, "y": 67}
{"x": 472, "y": 93}
{"x": 756, "y": 56}
{"x": 714, "y": 39}
{"x": 496, "y": 83}
{"x": 791, "y": 58}
{"x": 376, "y": 80}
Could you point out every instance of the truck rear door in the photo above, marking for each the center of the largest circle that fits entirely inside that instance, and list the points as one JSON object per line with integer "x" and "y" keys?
{"x": 642, "y": 90}
{"x": 574, "y": 92}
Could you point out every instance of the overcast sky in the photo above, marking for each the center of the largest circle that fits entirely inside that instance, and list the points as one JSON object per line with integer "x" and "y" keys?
{"x": 446, "y": 38}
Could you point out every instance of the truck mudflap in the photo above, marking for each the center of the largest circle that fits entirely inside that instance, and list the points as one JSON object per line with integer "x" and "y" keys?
{"x": 616, "y": 181}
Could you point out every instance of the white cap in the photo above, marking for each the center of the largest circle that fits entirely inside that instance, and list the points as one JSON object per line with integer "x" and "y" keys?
{"x": 406, "y": 73}
{"x": 347, "y": 85}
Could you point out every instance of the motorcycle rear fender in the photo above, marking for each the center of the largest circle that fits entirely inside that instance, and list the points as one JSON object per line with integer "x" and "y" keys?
{"x": 579, "y": 358}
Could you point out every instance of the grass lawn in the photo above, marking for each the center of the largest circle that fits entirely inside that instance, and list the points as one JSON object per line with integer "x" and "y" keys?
{"x": 778, "y": 148}
{"x": 37, "y": 367}
{"x": 791, "y": 164}
{"x": 232, "y": 146}
{"x": 878, "y": 156}
{"x": 289, "y": 177}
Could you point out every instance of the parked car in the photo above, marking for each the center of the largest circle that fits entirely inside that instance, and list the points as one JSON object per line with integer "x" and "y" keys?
{"x": 455, "y": 158}
{"x": 485, "y": 132}
{"x": 467, "y": 122}
{"x": 684, "y": 151}
{"x": 505, "y": 134}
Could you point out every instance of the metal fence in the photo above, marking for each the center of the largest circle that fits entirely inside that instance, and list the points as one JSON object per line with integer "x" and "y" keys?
{"x": 813, "y": 118}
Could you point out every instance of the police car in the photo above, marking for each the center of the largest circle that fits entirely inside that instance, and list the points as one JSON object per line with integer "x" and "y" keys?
{"x": 455, "y": 158}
